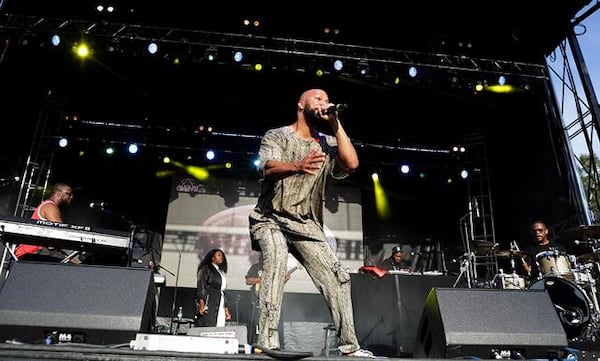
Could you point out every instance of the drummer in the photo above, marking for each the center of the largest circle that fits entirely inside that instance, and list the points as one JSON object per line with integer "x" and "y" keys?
{"x": 540, "y": 243}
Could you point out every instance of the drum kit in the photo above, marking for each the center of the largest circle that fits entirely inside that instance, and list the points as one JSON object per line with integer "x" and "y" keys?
{"x": 569, "y": 280}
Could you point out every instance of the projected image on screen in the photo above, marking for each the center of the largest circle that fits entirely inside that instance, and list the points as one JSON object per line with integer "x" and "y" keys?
{"x": 214, "y": 214}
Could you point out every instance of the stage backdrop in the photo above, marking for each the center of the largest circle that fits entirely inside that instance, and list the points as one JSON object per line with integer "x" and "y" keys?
{"x": 214, "y": 214}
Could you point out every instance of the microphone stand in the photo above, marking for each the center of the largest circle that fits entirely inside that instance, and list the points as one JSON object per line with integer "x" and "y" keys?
{"x": 237, "y": 308}
{"x": 466, "y": 244}
{"x": 176, "y": 286}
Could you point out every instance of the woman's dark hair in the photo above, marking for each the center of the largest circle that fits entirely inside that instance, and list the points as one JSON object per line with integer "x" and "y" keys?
{"x": 208, "y": 259}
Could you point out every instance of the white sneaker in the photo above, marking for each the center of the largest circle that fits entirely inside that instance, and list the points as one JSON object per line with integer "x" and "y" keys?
{"x": 361, "y": 353}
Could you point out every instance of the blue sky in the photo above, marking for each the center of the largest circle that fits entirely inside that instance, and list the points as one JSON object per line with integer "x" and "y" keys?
{"x": 589, "y": 41}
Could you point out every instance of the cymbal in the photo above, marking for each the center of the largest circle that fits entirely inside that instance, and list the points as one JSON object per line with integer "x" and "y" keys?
{"x": 592, "y": 231}
{"x": 588, "y": 257}
{"x": 482, "y": 244}
{"x": 511, "y": 253}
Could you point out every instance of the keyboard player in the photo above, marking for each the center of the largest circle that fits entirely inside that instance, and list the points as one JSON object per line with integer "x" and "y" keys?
{"x": 49, "y": 209}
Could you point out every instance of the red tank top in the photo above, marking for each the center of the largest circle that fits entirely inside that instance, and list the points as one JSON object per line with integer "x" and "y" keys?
{"x": 25, "y": 249}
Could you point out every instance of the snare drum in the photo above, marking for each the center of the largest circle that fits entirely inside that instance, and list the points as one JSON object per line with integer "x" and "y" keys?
{"x": 554, "y": 263}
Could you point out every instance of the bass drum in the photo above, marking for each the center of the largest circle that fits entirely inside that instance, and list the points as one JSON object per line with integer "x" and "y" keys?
{"x": 570, "y": 301}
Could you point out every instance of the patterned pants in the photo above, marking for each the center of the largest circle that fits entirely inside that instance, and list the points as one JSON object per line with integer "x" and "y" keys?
{"x": 322, "y": 265}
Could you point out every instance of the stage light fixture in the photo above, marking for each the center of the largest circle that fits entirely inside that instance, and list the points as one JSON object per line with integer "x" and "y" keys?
{"x": 152, "y": 48}
{"x": 412, "y": 71}
{"x": 55, "y": 39}
{"x": 238, "y": 56}
{"x": 464, "y": 174}
{"x": 63, "y": 142}
{"x": 210, "y": 54}
{"x": 363, "y": 68}
{"x": 82, "y": 50}
{"x": 132, "y": 148}
{"x": 210, "y": 154}
{"x": 109, "y": 150}
{"x": 258, "y": 67}
{"x": 404, "y": 168}
{"x": 501, "y": 80}
{"x": 338, "y": 65}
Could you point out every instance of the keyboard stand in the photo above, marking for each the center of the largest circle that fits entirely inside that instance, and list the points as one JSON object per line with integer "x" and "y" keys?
{"x": 7, "y": 254}
{"x": 71, "y": 255}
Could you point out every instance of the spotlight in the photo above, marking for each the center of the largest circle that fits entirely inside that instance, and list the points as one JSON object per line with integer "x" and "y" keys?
{"x": 363, "y": 68}
{"x": 211, "y": 54}
{"x": 258, "y": 66}
{"x": 210, "y": 154}
{"x": 464, "y": 174}
{"x": 238, "y": 56}
{"x": 404, "y": 168}
{"x": 152, "y": 48}
{"x": 109, "y": 150}
{"x": 338, "y": 65}
{"x": 133, "y": 148}
{"x": 412, "y": 71}
{"x": 63, "y": 142}
{"x": 55, "y": 40}
{"x": 501, "y": 80}
{"x": 82, "y": 50}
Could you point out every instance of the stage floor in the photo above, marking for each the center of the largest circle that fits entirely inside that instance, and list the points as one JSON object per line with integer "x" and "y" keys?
{"x": 123, "y": 352}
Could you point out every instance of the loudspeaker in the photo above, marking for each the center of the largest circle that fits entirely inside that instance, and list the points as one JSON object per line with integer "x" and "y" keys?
{"x": 488, "y": 324}
{"x": 59, "y": 303}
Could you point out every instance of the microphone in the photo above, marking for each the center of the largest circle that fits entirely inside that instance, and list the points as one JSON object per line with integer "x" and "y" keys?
{"x": 476, "y": 208}
{"x": 10, "y": 179}
{"x": 332, "y": 108}
{"x": 98, "y": 205}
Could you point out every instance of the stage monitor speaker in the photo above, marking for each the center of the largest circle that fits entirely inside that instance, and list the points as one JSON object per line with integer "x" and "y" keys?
{"x": 59, "y": 303}
{"x": 488, "y": 324}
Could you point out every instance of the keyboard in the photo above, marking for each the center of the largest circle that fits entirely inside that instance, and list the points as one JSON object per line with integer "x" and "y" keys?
{"x": 60, "y": 235}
